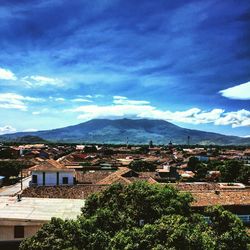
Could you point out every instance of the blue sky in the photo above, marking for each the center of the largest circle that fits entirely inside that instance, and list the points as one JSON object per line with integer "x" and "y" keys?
{"x": 65, "y": 62}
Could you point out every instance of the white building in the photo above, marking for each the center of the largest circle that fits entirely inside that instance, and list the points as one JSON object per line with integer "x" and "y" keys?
{"x": 21, "y": 219}
{"x": 51, "y": 173}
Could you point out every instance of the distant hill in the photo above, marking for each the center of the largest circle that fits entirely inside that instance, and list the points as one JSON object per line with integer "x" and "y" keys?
{"x": 139, "y": 131}
{"x": 30, "y": 139}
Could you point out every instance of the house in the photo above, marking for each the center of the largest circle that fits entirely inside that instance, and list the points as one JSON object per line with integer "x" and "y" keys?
{"x": 24, "y": 217}
{"x": 235, "y": 201}
{"x": 51, "y": 173}
{"x": 167, "y": 173}
{"x": 119, "y": 176}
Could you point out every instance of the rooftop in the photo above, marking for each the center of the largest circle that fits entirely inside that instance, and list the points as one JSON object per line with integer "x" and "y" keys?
{"x": 50, "y": 165}
{"x": 39, "y": 209}
{"x": 224, "y": 198}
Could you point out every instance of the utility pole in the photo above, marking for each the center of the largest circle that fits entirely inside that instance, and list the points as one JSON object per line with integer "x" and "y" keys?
{"x": 21, "y": 179}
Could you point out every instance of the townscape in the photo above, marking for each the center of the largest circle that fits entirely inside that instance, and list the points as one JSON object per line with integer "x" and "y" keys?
{"x": 125, "y": 125}
{"x": 39, "y": 175}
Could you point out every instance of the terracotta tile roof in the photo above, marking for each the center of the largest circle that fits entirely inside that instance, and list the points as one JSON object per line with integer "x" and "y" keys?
{"x": 92, "y": 176}
{"x": 116, "y": 177}
{"x": 151, "y": 180}
{"x": 193, "y": 186}
{"x": 221, "y": 197}
{"x": 67, "y": 192}
{"x": 50, "y": 165}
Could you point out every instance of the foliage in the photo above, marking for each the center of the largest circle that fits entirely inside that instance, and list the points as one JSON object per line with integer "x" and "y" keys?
{"x": 244, "y": 174}
{"x": 7, "y": 153}
{"x": 142, "y": 166}
{"x": 11, "y": 168}
{"x": 193, "y": 163}
{"x": 142, "y": 150}
{"x": 233, "y": 171}
{"x": 141, "y": 216}
{"x": 90, "y": 149}
{"x": 221, "y": 222}
{"x": 169, "y": 232}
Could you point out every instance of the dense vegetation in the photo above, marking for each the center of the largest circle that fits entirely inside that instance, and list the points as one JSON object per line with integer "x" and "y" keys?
{"x": 11, "y": 168}
{"x": 142, "y": 166}
{"x": 231, "y": 170}
{"x": 141, "y": 216}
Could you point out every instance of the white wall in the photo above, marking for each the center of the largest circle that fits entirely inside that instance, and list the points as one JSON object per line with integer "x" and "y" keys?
{"x": 51, "y": 179}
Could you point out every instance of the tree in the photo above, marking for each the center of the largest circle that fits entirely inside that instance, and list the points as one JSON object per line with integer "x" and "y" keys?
{"x": 10, "y": 168}
{"x": 244, "y": 174}
{"x": 140, "y": 216}
{"x": 169, "y": 232}
{"x": 90, "y": 149}
{"x": 142, "y": 166}
{"x": 193, "y": 163}
{"x": 221, "y": 222}
{"x": 231, "y": 170}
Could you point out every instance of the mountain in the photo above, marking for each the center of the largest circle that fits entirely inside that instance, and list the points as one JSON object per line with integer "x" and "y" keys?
{"x": 139, "y": 131}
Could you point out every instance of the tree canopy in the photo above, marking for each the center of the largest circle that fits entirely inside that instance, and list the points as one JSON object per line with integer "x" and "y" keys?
{"x": 231, "y": 170}
{"x": 141, "y": 216}
{"x": 142, "y": 166}
{"x": 11, "y": 168}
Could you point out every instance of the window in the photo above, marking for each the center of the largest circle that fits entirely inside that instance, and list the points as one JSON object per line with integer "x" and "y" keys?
{"x": 19, "y": 232}
{"x": 65, "y": 180}
{"x": 34, "y": 179}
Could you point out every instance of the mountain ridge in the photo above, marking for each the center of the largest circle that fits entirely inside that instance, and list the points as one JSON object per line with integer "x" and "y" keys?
{"x": 138, "y": 131}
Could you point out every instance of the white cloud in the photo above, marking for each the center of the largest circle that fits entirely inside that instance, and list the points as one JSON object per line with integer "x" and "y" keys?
{"x": 118, "y": 97}
{"x": 238, "y": 118}
{"x": 41, "y": 111}
{"x": 6, "y": 74}
{"x": 245, "y": 136}
{"x": 30, "y": 130}
{"x": 89, "y": 96}
{"x": 16, "y": 101}
{"x": 239, "y": 92}
{"x": 125, "y": 101}
{"x": 39, "y": 81}
{"x": 123, "y": 107}
{"x": 7, "y": 130}
{"x": 60, "y": 99}
{"x": 81, "y": 100}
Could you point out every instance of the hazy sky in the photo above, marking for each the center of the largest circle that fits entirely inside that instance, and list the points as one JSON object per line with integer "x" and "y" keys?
{"x": 65, "y": 62}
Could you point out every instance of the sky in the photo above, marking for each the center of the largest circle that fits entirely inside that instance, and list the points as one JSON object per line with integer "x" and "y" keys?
{"x": 65, "y": 62}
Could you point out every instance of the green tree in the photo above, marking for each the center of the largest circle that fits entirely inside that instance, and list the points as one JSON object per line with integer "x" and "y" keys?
{"x": 90, "y": 149}
{"x": 10, "y": 168}
{"x": 193, "y": 163}
{"x": 140, "y": 216}
{"x": 221, "y": 221}
{"x": 142, "y": 166}
{"x": 244, "y": 174}
{"x": 231, "y": 170}
{"x": 169, "y": 232}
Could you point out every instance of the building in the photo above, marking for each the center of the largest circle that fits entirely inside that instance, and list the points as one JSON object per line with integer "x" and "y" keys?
{"x": 203, "y": 158}
{"x": 51, "y": 173}
{"x": 21, "y": 219}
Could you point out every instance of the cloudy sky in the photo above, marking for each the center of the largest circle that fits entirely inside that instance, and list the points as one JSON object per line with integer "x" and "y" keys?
{"x": 64, "y": 62}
